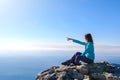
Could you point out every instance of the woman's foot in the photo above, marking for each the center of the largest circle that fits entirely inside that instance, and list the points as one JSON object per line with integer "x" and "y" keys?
{"x": 66, "y": 62}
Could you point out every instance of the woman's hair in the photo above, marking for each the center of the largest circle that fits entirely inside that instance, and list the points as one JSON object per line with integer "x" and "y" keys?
{"x": 88, "y": 37}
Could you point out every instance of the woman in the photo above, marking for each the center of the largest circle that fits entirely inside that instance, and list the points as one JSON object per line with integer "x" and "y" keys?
{"x": 87, "y": 56}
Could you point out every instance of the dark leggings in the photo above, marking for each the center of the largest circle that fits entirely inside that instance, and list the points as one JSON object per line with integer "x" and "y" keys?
{"x": 77, "y": 57}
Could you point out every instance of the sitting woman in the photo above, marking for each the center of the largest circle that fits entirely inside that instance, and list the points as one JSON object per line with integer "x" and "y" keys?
{"x": 87, "y": 56}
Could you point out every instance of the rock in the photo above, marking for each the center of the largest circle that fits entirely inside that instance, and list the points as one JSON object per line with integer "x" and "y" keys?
{"x": 97, "y": 76}
{"x": 83, "y": 69}
{"x": 86, "y": 77}
{"x": 95, "y": 71}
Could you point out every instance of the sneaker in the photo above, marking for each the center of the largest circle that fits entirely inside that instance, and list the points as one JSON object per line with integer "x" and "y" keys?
{"x": 66, "y": 62}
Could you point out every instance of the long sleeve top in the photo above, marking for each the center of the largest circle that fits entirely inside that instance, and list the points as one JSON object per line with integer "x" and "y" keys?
{"x": 89, "y": 49}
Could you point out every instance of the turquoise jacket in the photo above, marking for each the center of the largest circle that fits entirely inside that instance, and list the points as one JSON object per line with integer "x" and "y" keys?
{"x": 89, "y": 49}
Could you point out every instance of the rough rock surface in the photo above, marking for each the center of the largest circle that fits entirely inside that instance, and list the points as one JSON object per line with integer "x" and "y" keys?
{"x": 95, "y": 71}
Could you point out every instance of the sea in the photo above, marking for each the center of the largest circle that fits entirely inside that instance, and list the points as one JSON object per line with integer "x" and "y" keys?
{"x": 25, "y": 65}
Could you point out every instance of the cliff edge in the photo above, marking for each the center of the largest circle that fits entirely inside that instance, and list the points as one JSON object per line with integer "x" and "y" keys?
{"x": 95, "y": 71}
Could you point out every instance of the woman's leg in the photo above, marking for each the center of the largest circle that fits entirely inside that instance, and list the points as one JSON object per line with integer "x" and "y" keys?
{"x": 87, "y": 60}
{"x": 75, "y": 59}
{"x": 72, "y": 60}
{"x": 84, "y": 59}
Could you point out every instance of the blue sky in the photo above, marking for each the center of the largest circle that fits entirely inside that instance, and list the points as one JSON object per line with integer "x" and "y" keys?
{"x": 47, "y": 23}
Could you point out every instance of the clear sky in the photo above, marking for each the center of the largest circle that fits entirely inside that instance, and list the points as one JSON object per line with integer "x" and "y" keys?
{"x": 43, "y": 23}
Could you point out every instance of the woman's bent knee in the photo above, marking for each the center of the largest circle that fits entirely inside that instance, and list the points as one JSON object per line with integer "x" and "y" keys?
{"x": 78, "y": 53}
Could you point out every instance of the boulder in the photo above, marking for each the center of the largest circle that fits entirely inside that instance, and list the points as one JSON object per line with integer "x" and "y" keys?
{"x": 95, "y": 71}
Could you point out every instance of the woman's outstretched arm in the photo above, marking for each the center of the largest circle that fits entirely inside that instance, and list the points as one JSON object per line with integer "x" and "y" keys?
{"x": 76, "y": 41}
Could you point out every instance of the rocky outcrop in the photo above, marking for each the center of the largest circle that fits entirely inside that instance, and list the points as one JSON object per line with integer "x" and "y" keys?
{"x": 95, "y": 71}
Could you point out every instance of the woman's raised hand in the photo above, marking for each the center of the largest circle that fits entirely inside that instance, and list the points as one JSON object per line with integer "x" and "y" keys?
{"x": 69, "y": 39}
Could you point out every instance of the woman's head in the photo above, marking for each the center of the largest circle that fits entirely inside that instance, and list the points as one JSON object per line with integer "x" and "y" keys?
{"x": 88, "y": 37}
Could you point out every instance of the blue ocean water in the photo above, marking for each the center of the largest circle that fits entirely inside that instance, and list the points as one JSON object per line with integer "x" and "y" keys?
{"x": 26, "y": 65}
